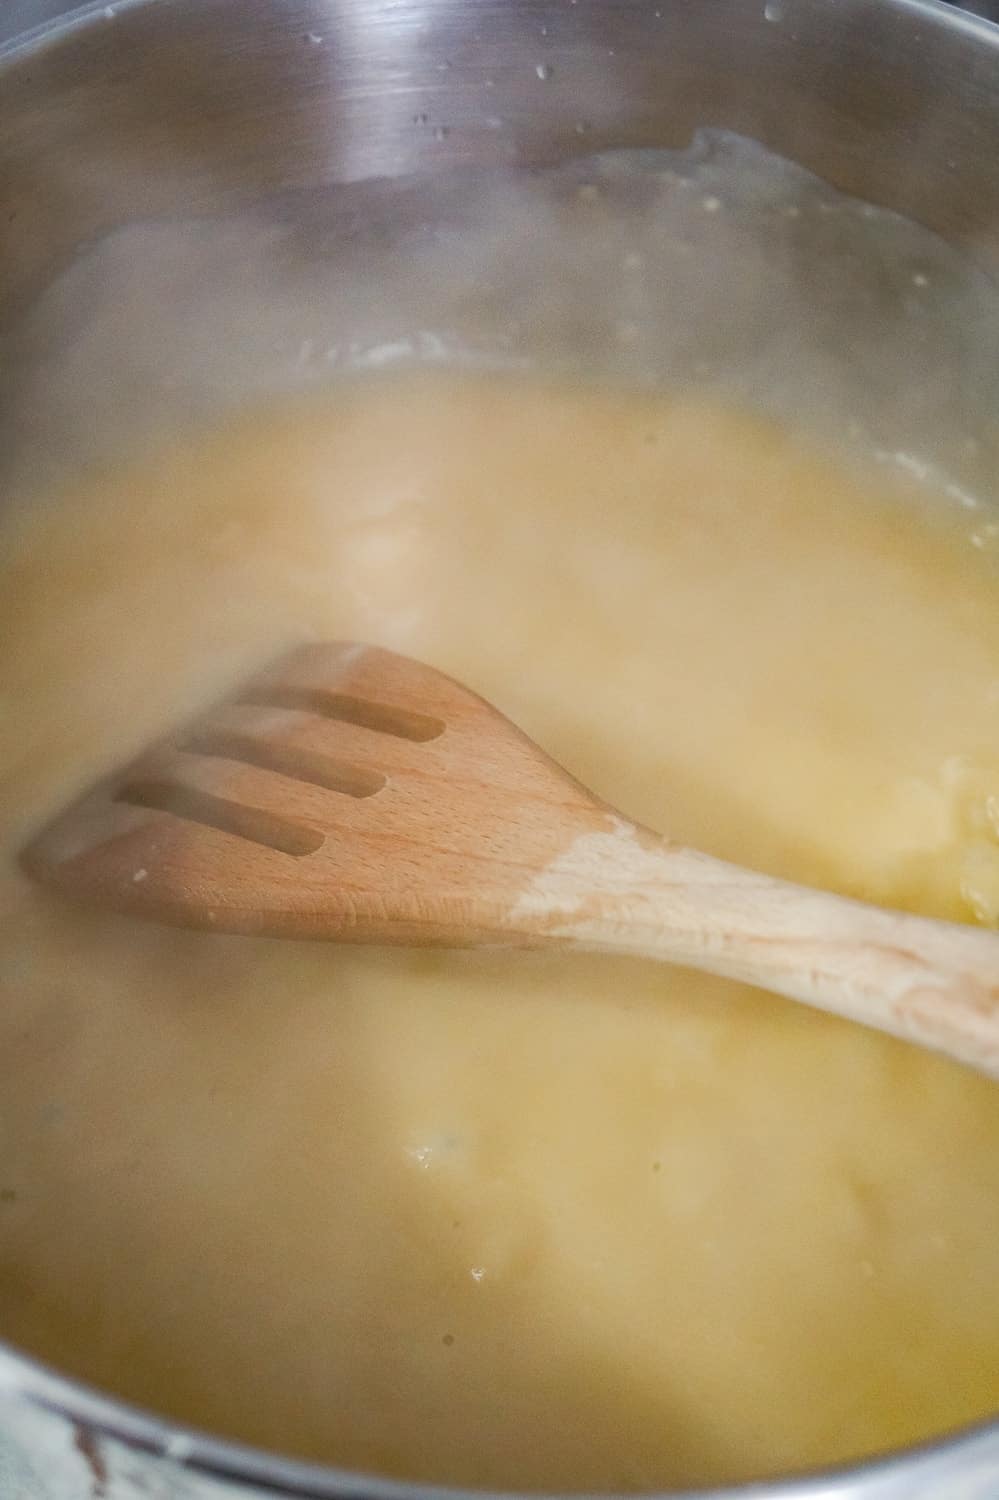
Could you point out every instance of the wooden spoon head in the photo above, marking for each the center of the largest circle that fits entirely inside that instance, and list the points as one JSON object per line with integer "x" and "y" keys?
{"x": 346, "y": 793}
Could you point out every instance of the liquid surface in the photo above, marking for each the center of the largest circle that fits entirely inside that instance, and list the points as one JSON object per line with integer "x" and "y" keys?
{"x": 497, "y": 1219}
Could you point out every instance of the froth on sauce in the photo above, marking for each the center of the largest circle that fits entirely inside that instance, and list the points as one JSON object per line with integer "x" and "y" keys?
{"x": 519, "y": 1221}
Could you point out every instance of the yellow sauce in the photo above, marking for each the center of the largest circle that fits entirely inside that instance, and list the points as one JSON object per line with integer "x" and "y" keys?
{"x": 505, "y": 1219}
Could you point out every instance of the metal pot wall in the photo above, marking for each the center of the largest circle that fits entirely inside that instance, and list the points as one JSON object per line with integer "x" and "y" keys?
{"x": 176, "y": 108}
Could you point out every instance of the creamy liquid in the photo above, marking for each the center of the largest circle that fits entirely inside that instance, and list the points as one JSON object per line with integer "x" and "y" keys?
{"x": 506, "y": 1219}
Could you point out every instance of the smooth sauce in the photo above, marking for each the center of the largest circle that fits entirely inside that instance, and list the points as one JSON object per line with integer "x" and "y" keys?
{"x": 511, "y": 1220}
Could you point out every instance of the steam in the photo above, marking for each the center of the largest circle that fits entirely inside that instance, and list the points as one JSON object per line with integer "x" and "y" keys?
{"x": 723, "y": 267}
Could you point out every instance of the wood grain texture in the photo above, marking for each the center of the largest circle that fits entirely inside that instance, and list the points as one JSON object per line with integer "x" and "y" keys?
{"x": 355, "y": 795}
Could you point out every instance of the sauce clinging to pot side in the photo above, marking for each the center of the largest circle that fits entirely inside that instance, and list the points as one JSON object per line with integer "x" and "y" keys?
{"x": 511, "y": 1220}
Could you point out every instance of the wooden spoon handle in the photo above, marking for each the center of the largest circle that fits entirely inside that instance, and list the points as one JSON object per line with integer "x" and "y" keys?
{"x": 933, "y": 983}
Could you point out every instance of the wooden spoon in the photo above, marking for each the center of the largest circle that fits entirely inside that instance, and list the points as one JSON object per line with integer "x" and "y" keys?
{"x": 353, "y": 794}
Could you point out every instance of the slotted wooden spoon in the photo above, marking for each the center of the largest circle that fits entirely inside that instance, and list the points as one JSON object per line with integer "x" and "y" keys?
{"x": 352, "y": 794}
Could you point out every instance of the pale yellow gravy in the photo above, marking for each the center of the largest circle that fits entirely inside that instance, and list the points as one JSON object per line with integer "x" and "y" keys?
{"x": 494, "y": 1218}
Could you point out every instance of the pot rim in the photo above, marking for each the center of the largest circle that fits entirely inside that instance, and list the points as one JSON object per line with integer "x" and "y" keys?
{"x": 99, "y": 1414}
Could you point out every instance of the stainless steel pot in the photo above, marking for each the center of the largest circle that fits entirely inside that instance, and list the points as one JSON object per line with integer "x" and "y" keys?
{"x": 177, "y": 108}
